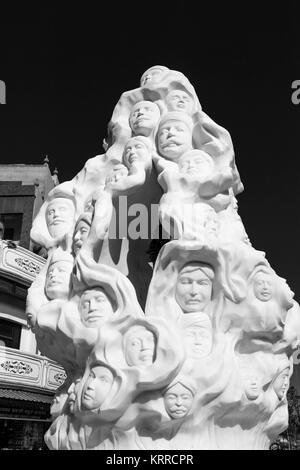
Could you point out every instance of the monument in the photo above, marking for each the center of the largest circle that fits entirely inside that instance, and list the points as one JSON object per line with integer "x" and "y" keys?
{"x": 195, "y": 353}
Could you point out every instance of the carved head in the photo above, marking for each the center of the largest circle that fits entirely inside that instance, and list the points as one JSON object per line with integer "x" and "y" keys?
{"x": 58, "y": 277}
{"x": 139, "y": 346}
{"x": 252, "y": 382}
{"x": 174, "y": 136}
{"x": 95, "y": 306}
{"x": 281, "y": 383}
{"x": 153, "y": 74}
{"x": 194, "y": 287}
{"x": 60, "y": 214}
{"x": 179, "y": 100}
{"x": 263, "y": 286}
{"x": 196, "y": 162}
{"x": 81, "y": 231}
{"x": 144, "y": 118}
{"x": 179, "y": 397}
{"x": 137, "y": 150}
{"x": 198, "y": 340}
{"x": 58, "y": 404}
{"x": 97, "y": 387}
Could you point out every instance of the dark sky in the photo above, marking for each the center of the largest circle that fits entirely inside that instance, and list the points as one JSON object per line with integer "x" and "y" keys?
{"x": 66, "y": 68}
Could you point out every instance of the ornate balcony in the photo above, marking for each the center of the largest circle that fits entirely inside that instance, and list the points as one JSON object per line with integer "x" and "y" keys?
{"x": 19, "y": 264}
{"x": 29, "y": 371}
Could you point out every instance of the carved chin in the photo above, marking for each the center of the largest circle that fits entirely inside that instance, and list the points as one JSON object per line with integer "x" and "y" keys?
{"x": 58, "y": 230}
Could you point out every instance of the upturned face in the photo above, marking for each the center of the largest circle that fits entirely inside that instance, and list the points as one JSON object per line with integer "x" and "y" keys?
{"x": 151, "y": 75}
{"x": 263, "y": 287}
{"x": 281, "y": 383}
{"x": 197, "y": 165}
{"x": 144, "y": 118}
{"x": 174, "y": 139}
{"x": 58, "y": 280}
{"x": 60, "y": 216}
{"x": 139, "y": 346}
{"x": 193, "y": 290}
{"x": 97, "y": 387}
{"x": 178, "y": 401}
{"x": 94, "y": 307}
{"x": 198, "y": 341}
{"x": 81, "y": 233}
{"x": 179, "y": 100}
{"x": 136, "y": 151}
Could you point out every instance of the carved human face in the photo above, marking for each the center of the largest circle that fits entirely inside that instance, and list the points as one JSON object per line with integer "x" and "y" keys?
{"x": 174, "y": 139}
{"x": 97, "y": 387}
{"x": 81, "y": 233}
{"x": 151, "y": 75}
{"x": 252, "y": 383}
{"x": 263, "y": 286}
{"x": 144, "y": 118}
{"x": 178, "y": 401}
{"x": 139, "y": 346}
{"x": 57, "y": 405}
{"x": 60, "y": 216}
{"x": 193, "y": 289}
{"x": 95, "y": 307}
{"x": 281, "y": 383}
{"x": 135, "y": 151}
{"x": 179, "y": 100}
{"x": 58, "y": 280}
{"x": 199, "y": 165}
{"x": 198, "y": 340}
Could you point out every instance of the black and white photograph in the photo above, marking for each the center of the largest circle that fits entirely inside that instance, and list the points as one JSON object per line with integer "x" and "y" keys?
{"x": 150, "y": 229}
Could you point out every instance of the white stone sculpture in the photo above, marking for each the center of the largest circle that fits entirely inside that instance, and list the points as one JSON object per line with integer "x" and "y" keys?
{"x": 207, "y": 363}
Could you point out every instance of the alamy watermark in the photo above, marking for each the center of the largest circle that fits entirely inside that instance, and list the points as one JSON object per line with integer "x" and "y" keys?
{"x": 2, "y": 92}
{"x": 296, "y": 93}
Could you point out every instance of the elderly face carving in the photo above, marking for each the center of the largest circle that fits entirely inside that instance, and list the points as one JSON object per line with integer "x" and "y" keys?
{"x": 152, "y": 74}
{"x": 174, "y": 139}
{"x": 179, "y": 100}
{"x": 252, "y": 383}
{"x": 200, "y": 164}
{"x": 198, "y": 340}
{"x": 136, "y": 151}
{"x": 263, "y": 286}
{"x": 60, "y": 216}
{"x": 281, "y": 383}
{"x": 97, "y": 387}
{"x": 58, "y": 280}
{"x": 194, "y": 287}
{"x": 80, "y": 235}
{"x": 178, "y": 401}
{"x": 94, "y": 307}
{"x": 139, "y": 346}
{"x": 144, "y": 118}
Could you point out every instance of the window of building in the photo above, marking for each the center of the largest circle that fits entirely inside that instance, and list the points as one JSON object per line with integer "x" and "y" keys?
{"x": 10, "y": 334}
{"x": 12, "y": 226}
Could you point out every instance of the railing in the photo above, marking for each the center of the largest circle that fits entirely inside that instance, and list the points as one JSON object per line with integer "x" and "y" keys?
{"x": 29, "y": 370}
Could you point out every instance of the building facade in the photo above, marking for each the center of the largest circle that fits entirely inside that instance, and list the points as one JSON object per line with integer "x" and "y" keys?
{"x": 28, "y": 380}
